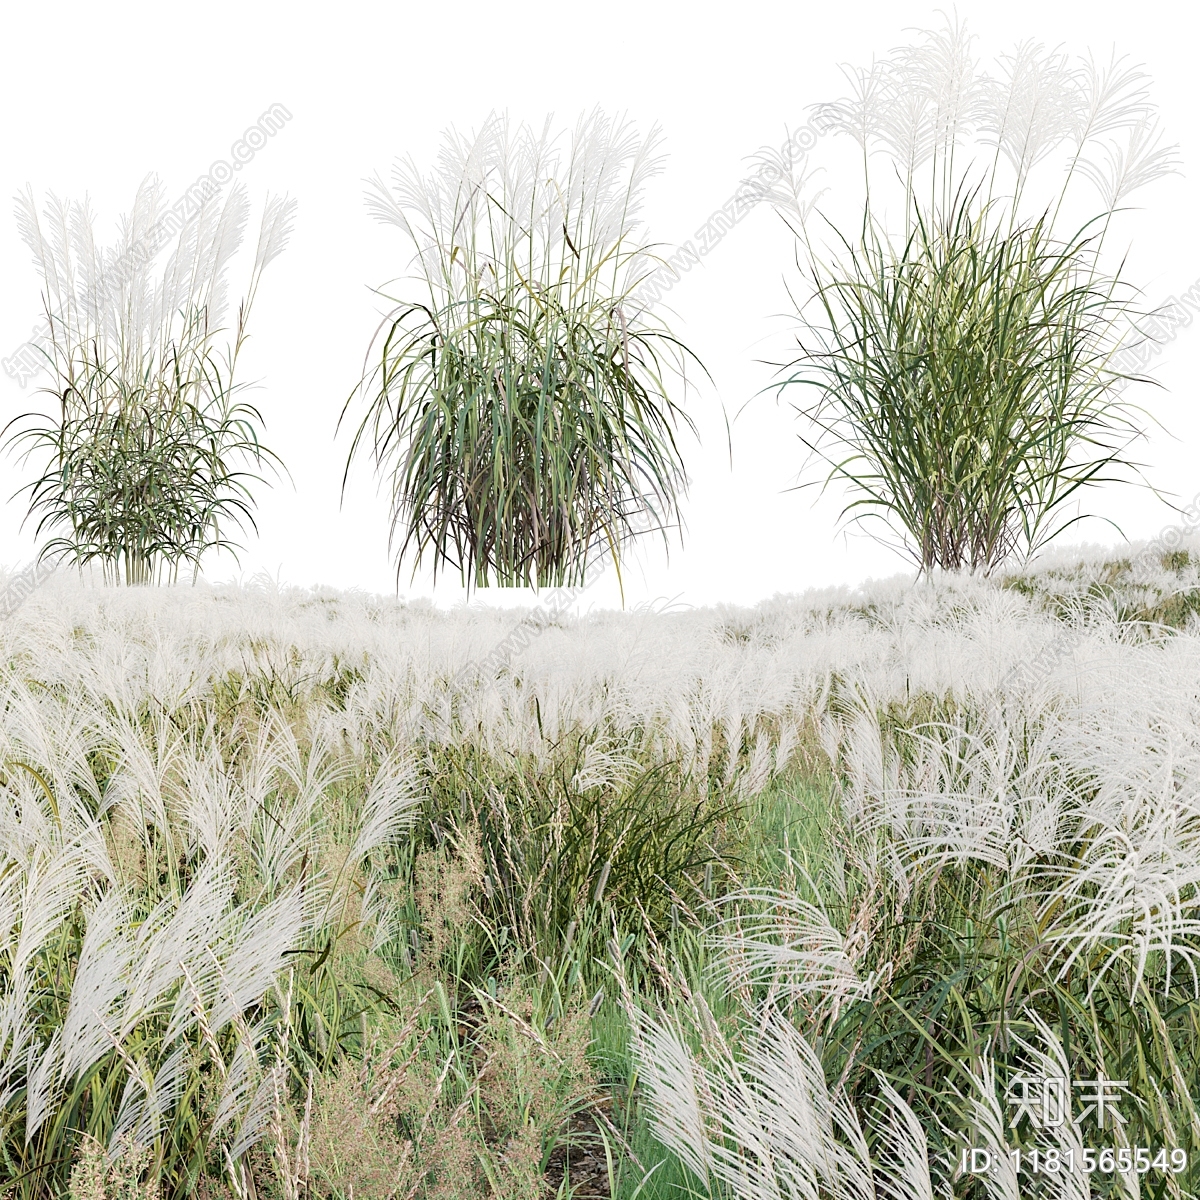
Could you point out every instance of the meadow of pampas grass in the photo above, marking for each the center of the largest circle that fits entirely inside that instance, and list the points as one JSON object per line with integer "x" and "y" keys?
{"x": 240, "y": 825}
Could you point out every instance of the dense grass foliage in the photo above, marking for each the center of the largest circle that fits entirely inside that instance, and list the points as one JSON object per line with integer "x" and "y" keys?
{"x": 965, "y": 379}
{"x": 147, "y": 459}
{"x": 519, "y": 406}
{"x": 961, "y": 343}
{"x": 774, "y": 902}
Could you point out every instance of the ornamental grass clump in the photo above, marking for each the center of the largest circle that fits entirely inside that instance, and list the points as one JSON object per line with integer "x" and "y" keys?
{"x": 151, "y": 455}
{"x": 969, "y": 359}
{"x": 519, "y": 407}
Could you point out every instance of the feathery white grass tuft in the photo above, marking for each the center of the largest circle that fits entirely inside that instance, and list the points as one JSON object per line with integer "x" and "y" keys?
{"x": 761, "y": 1122}
{"x": 508, "y": 197}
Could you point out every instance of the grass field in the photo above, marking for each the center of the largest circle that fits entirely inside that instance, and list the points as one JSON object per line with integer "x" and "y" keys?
{"x": 298, "y": 899}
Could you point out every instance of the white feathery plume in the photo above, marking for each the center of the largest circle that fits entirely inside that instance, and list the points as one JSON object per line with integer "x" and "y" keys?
{"x": 902, "y": 1169}
{"x": 255, "y": 1119}
{"x": 212, "y": 804}
{"x": 388, "y": 809}
{"x": 917, "y": 104}
{"x": 113, "y": 299}
{"x": 931, "y": 97}
{"x": 255, "y": 947}
{"x": 98, "y": 986}
{"x": 279, "y": 215}
{"x": 605, "y": 765}
{"x": 240, "y": 1077}
{"x": 785, "y": 744}
{"x": 1116, "y": 97}
{"x": 148, "y": 1099}
{"x": 1133, "y": 892}
{"x": 949, "y": 128}
{"x": 757, "y": 772}
{"x": 860, "y": 115}
{"x": 790, "y": 944}
{"x": 195, "y": 273}
{"x": 1035, "y": 106}
{"x": 676, "y": 1094}
{"x": 1049, "y": 1061}
{"x": 1139, "y": 160}
{"x": 988, "y": 1124}
{"x": 785, "y": 185}
{"x": 44, "y": 1083}
{"x": 50, "y": 886}
{"x": 762, "y": 1123}
{"x": 506, "y": 198}
{"x": 177, "y": 930}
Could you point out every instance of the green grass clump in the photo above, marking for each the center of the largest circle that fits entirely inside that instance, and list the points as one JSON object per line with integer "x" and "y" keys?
{"x": 520, "y": 409}
{"x": 965, "y": 387}
{"x": 148, "y": 458}
{"x": 967, "y": 341}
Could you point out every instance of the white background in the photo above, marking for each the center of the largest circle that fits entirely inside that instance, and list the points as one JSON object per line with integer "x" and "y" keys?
{"x": 97, "y": 96}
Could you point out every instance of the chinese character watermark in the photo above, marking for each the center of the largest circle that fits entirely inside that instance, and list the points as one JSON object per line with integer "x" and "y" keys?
{"x": 1046, "y": 1101}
